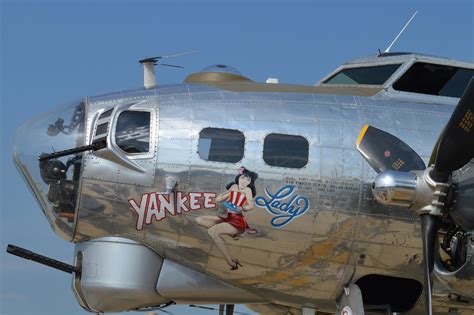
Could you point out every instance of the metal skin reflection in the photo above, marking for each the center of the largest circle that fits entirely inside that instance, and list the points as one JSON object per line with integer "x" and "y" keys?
{"x": 310, "y": 230}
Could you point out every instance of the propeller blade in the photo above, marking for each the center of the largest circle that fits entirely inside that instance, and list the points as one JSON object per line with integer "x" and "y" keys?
{"x": 456, "y": 146}
{"x": 167, "y": 65}
{"x": 434, "y": 152}
{"x": 383, "y": 151}
{"x": 429, "y": 228}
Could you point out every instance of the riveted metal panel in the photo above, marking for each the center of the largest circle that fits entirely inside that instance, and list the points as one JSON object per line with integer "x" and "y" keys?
{"x": 313, "y": 256}
{"x": 296, "y": 112}
{"x": 186, "y": 285}
{"x": 175, "y": 110}
{"x": 239, "y": 111}
{"x": 201, "y": 111}
{"x": 113, "y": 164}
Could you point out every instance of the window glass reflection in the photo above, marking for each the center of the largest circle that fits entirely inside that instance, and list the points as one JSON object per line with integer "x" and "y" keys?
{"x": 132, "y": 133}
{"x": 221, "y": 145}
{"x": 285, "y": 150}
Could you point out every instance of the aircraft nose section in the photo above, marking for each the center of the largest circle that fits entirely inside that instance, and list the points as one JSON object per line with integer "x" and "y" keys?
{"x": 53, "y": 182}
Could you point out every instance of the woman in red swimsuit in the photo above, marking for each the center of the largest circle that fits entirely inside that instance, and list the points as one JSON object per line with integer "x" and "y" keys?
{"x": 237, "y": 199}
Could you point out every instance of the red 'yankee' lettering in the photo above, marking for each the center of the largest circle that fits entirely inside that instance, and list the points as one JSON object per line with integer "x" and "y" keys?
{"x": 154, "y": 206}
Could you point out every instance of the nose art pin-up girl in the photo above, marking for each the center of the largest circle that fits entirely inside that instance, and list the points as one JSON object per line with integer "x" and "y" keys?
{"x": 237, "y": 199}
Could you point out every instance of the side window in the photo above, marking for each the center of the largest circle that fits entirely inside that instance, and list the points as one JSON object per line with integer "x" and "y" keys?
{"x": 221, "y": 145}
{"x": 132, "y": 133}
{"x": 285, "y": 150}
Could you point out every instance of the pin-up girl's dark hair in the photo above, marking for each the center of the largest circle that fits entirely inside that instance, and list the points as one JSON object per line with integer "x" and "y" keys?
{"x": 245, "y": 172}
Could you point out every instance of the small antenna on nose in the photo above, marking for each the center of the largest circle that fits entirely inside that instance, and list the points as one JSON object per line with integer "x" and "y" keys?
{"x": 406, "y": 25}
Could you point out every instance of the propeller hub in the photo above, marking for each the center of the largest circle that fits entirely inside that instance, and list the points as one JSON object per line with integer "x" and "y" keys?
{"x": 395, "y": 188}
{"x": 426, "y": 191}
{"x": 415, "y": 190}
{"x": 431, "y": 195}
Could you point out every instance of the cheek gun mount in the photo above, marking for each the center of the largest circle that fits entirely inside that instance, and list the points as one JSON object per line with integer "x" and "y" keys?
{"x": 53, "y": 263}
{"x": 91, "y": 147}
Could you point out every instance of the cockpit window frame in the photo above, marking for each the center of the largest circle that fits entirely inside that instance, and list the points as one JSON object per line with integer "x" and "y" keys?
{"x": 362, "y": 66}
{"x": 407, "y": 61}
{"x": 111, "y": 138}
{"x": 395, "y": 74}
{"x": 104, "y": 118}
{"x": 420, "y": 63}
{"x": 143, "y": 115}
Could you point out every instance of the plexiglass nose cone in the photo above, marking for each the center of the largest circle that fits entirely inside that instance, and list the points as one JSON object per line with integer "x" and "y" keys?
{"x": 53, "y": 182}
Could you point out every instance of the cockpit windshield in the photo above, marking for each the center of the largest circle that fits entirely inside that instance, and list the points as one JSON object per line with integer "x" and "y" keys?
{"x": 55, "y": 181}
{"x": 434, "y": 79}
{"x": 373, "y": 75}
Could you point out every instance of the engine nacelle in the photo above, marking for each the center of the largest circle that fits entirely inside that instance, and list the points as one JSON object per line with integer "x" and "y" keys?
{"x": 463, "y": 210}
{"x": 460, "y": 281}
{"x": 119, "y": 275}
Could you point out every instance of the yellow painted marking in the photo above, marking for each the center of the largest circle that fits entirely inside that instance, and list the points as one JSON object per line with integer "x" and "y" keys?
{"x": 249, "y": 281}
{"x": 275, "y": 277}
{"x": 322, "y": 249}
{"x": 299, "y": 282}
{"x": 344, "y": 228}
{"x": 398, "y": 164}
{"x": 467, "y": 121}
{"x": 341, "y": 258}
{"x": 362, "y": 134}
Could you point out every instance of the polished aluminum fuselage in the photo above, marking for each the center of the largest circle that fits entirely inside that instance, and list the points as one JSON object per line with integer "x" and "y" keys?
{"x": 344, "y": 235}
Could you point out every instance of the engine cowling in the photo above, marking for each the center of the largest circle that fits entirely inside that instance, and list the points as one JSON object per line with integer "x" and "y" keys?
{"x": 459, "y": 281}
{"x": 462, "y": 211}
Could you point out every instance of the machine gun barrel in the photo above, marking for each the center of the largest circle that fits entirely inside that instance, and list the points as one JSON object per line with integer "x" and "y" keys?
{"x": 91, "y": 147}
{"x": 26, "y": 254}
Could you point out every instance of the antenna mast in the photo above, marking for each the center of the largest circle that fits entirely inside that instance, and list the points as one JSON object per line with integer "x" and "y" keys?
{"x": 406, "y": 25}
{"x": 149, "y": 78}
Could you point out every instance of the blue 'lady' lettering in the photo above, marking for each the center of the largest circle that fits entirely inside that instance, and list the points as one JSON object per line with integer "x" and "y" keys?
{"x": 283, "y": 210}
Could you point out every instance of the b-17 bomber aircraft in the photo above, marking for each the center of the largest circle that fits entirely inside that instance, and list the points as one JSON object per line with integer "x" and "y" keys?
{"x": 352, "y": 196}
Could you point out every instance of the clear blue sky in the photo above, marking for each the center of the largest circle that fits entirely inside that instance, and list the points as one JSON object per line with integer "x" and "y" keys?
{"x": 54, "y": 52}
